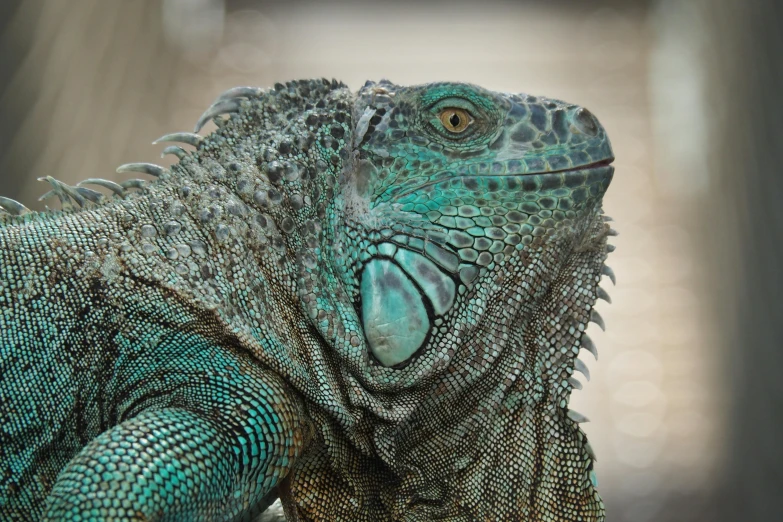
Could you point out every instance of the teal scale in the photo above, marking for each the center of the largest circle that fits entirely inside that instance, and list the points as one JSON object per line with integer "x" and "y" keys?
{"x": 398, "y": 292}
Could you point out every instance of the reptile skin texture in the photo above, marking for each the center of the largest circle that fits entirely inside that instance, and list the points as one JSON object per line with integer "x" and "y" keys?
{"x": 370, "y": 305}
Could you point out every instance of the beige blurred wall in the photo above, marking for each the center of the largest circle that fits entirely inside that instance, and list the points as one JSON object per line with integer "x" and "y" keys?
{"x": 99, "y": 80}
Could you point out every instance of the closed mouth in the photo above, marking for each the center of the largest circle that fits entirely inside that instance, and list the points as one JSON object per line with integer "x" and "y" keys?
{"x": 604, "y": 163}
{"x": 595, "y": 165}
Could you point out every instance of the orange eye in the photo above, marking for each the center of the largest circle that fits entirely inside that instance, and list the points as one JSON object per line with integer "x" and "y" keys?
{"x": 455, "y": 119}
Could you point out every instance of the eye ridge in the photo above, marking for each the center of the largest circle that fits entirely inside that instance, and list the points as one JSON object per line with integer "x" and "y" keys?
{"x": 455, "y": 119}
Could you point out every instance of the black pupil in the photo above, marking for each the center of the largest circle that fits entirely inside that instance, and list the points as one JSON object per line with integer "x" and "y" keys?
{"x": 454, "y": 120}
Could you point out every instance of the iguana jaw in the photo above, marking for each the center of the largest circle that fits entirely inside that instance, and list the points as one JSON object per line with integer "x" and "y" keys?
{"x": 530, "y": 405}
{"x": 575, "y": 193}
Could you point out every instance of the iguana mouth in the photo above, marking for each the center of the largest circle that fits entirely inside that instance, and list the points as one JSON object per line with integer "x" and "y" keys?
{"x": 589, "y": 166}
{"x": 604, "y": 163}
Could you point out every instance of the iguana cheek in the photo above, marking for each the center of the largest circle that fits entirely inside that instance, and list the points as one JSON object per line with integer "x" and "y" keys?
{"x": 402, "y": 292}
{"x": 438, "y": 287}
{"x": 394, "y": 317}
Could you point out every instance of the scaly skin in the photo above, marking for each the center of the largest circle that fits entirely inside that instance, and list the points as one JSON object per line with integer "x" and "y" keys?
{"x": 368, "y": 304}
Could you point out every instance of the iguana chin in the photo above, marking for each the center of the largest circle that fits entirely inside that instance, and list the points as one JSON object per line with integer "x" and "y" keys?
{"x": 368, "y": 304}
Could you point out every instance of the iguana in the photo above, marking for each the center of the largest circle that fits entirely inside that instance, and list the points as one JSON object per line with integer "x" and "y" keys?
{"x": 369, "y": 305}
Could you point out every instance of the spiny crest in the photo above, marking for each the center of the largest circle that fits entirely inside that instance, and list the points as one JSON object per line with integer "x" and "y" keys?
{"x": 229, "y": 103}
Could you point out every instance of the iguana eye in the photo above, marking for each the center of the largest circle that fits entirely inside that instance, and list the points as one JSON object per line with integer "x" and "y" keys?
{"x": 455, "y": 119}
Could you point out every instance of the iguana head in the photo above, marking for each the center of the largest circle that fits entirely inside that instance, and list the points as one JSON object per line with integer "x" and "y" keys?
{"x": 478, "y": 238}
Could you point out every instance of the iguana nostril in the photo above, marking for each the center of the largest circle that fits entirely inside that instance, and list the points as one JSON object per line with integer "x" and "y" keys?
{"x": 585, "y": 121}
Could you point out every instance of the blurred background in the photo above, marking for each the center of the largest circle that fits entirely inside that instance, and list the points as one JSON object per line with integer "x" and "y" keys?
{"x": 686, "y": 400}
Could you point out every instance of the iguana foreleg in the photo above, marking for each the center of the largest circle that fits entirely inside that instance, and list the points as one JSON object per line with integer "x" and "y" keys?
{"x": 224, "y": 442}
